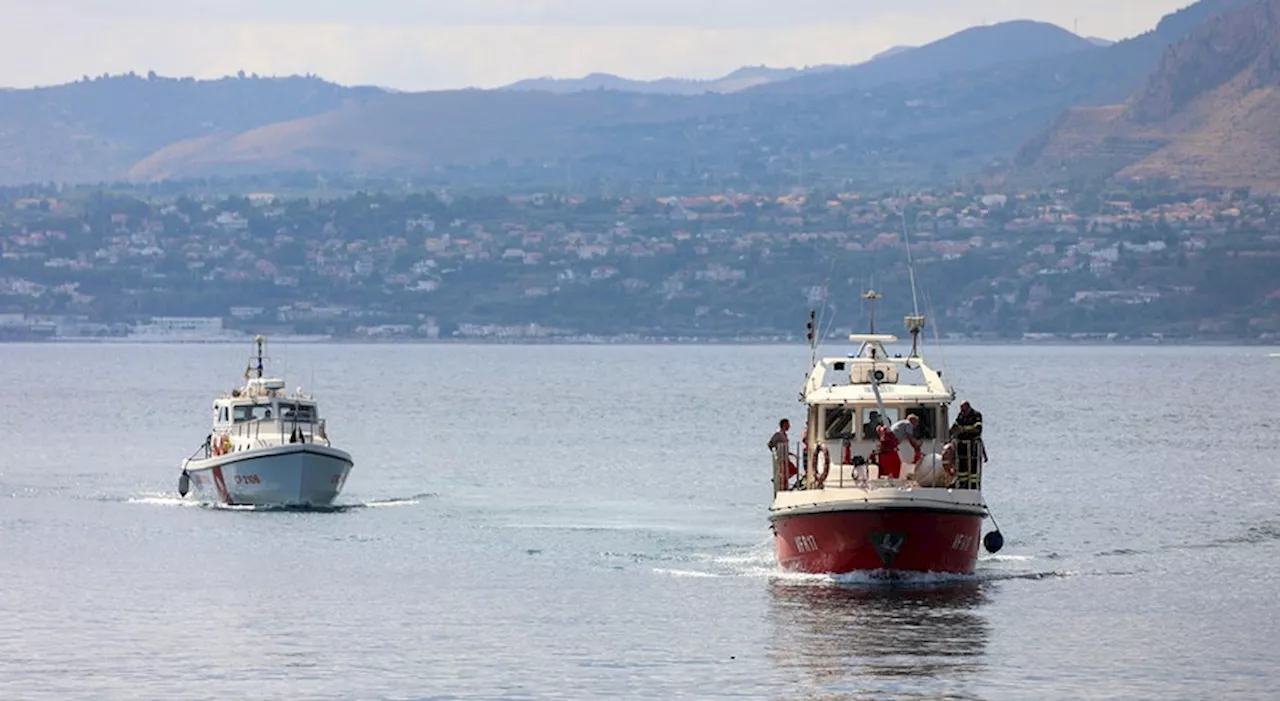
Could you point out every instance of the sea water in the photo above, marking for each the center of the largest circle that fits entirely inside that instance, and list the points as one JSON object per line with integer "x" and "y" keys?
{"x": 581, "y": 522}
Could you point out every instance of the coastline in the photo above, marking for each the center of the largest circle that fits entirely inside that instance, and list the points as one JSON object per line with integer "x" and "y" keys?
{"x": 588, "y": 340}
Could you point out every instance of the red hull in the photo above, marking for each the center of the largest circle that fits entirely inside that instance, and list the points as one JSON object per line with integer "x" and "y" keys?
{"x": 894, "y": 540}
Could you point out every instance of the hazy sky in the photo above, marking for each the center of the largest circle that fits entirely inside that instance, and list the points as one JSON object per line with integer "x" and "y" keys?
{"x": 433, "y": 44}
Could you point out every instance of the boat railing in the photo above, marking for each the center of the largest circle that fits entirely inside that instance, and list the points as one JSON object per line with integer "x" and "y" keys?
{"x": 801, "y": 470}
{"x": 785, "y": 466}
{"x": 285, "y": 432}
{"x": 970, "y": 456}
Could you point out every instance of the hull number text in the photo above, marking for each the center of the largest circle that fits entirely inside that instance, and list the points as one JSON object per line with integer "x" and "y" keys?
{"x": 248, "y": 479}
{"x": 806, "y": 543}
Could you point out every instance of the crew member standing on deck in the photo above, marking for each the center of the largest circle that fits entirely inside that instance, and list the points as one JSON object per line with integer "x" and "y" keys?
{"x": 780, "y": 439}
{"x": 967, "y": 430}
{"x": 968, "y": 425}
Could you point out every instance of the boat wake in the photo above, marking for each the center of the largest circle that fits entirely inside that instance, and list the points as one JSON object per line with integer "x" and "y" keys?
{"x": 759, "y": 562}
{"x": 162, "y": 500}
{"x": 173, "y": 501}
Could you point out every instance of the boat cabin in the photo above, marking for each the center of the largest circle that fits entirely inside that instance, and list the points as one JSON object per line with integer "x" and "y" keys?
{"x": 849, "y": 398}
{"x": 286, "y": 411}
{"x": 261, "y": 415}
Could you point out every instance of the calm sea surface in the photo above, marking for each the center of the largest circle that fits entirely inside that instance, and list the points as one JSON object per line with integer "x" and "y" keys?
{"x": 590, "y": 522}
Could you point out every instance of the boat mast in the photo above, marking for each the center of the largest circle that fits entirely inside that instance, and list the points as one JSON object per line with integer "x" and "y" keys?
{"x": 251, "y": 367}
{"x": 871, "y": 296}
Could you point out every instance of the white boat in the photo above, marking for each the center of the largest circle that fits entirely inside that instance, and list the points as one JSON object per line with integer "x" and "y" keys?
{"x": 266, "y": 448}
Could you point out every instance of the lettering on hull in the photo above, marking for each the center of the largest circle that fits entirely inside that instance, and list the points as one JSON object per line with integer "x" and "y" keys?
{"x": 806, "y": 544}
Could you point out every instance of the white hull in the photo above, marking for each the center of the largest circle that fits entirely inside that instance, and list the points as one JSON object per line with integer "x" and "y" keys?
{"x": 295, "y": 474}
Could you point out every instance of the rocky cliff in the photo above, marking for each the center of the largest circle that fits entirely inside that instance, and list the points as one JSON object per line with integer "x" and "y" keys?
{"x": 1212, "y": 55}
{"x": 1207, "y": 117}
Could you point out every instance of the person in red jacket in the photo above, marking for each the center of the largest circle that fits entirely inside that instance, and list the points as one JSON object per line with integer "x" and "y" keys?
{"x": 887, "y": 453}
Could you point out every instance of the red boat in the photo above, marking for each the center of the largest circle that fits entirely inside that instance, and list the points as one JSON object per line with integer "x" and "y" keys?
{"x": 856, "y": 496}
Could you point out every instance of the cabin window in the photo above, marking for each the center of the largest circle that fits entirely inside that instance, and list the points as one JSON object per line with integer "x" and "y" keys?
{"x": 299, "y": 413}
{"x": 839, "y": 423}
{"x": 873, "y": 418}
{"x": 928, "y": 429}
{"x": 253, "y": 412}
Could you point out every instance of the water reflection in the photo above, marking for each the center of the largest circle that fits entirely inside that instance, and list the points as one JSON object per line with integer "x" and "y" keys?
{"x": 839, "y": 642}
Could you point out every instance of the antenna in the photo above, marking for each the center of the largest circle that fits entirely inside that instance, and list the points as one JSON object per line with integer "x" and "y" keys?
{"x": 911, "y": 267}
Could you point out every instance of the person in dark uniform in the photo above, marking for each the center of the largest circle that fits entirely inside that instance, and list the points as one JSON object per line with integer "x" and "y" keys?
{"x": 966, "y": 434}
{"x": 968, "y": 425}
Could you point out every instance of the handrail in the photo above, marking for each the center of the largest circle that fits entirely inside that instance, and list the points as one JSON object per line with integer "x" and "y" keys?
{"x": 204, "y": 447}
{"x": 970, "y": 456}
{"x": 778, "y": 456}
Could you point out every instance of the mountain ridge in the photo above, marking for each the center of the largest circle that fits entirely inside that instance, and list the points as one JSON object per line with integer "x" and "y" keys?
{"x": 739, "y": 79}
{"x": 962, "y": 104}
{"x": 974, "y": 48}
{"x": 653, "y": 131}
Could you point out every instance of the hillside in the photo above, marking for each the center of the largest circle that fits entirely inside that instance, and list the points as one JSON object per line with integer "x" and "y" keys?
{"x": 97, "y": 128}
{"x": 417, "y": 132}
{"x": 923, "y": 115}
{"x": 1205, "y": 119}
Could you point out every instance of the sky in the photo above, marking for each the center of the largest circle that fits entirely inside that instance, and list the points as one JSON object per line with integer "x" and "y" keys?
{"x": 444, "y": 44}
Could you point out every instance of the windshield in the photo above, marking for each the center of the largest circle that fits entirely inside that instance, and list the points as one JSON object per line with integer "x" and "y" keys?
{"x": 292, "y": 412}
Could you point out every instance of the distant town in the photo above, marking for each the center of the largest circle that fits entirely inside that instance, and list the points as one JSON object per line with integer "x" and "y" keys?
{"x": 996, "y": 266}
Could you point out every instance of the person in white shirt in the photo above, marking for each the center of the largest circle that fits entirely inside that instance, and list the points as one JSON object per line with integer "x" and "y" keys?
{"x": 907, "y": 430}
